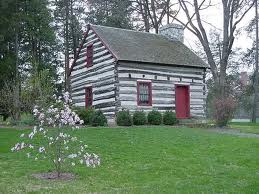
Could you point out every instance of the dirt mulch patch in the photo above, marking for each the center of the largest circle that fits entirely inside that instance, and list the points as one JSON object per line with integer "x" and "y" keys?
{"x": 54, "y": 176}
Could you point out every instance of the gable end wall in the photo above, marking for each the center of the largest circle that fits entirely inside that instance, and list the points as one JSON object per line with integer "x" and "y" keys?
{"x": 101, "y": 76}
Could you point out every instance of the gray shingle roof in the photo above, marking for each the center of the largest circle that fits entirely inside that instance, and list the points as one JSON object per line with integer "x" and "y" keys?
{"x": 129, "y": 45}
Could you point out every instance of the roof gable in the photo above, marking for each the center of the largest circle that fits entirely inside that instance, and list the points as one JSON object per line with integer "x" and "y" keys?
{"x": 135, "y": 46}
{"x": 129, "y": 45}
{"x": 90, "y": 31}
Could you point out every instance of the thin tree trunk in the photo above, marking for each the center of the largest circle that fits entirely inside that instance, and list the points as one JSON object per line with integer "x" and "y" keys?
{"x": 168, "y": 11}
{"x": 153, "y": 8}
{"x": 144, "y": 14}
{"x": 67, "y": 46}
{"x": 256, "y": 68}
{"x": 72, "y": 24}
{"x": 222, "y": 79}
{"x": 16, "y": 102}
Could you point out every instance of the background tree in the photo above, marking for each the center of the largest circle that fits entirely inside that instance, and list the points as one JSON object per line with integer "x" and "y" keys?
{"x": 28, "y": 45}
{"x": 251, "y": 59}
{"x": 114, "y": 13}
{"x": 67, "y": 16}
{"x": 152, "y": 14}
{"x": 233, "y": 13}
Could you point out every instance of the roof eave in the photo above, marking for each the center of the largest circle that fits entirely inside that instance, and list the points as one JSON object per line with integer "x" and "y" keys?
{"x": 166, "y": 64}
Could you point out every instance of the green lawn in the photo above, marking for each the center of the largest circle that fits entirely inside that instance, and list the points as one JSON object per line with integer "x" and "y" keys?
{"x": 245, "y": 127}
{"x": 143, "y": 160}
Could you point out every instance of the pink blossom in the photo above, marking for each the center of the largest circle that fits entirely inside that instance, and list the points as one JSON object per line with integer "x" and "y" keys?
{"x": 60, "y": 117}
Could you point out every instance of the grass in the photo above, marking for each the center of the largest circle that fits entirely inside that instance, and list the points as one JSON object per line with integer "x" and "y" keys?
{"x": 143, "y": 160}
{"x": 27, "y": 119}
{"x": 246, "y": 127}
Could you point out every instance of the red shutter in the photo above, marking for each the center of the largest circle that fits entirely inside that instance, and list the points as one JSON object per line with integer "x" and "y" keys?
{"x": 89, "y": 55}
{"x": 88, "y": 97}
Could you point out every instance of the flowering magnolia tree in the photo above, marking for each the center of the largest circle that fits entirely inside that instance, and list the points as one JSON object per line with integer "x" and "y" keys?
{"x": 51, "y": 139}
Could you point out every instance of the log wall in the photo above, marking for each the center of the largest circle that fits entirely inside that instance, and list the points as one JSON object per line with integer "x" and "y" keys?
{"x": 115, "y": 84}
{"x": 163, "y": 80}
{"x": 100, "y": 76}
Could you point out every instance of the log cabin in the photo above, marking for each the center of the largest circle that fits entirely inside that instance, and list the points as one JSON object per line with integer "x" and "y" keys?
{"x": 117, "y": 69}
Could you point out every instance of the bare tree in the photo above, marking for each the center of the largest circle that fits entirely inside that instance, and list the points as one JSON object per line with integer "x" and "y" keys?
{"x": 154, "y": 13}
{"x": 144, "y": 14}
{"x": 233, "y": 13}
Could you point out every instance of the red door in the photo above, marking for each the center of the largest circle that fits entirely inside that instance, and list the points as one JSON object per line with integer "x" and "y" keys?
{"x": 182, "y": 101}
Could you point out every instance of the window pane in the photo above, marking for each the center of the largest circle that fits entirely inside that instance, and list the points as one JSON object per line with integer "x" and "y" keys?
{"x": 144, "y": 93}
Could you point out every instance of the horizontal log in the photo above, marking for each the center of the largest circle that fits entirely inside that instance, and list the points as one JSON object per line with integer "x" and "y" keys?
{"x": 81, "y": 97}
{"x": 97, "y": 48}
{"x": 81, "y": 62}
{"x": 104, "y": 97}
{"x": 201, "y": 97}
{"x": 93, "y": 40}
{"x": 101, "y": 101}
{"x": 104, "y": 83}
{"x": 82, "y": 88}
{"x": 130, "y": 107}
{"x": 158, "y": 67}
{"x": 99, "y": 73}
{"x": 83, "y": 68}
{"x": 104, "y": 94}
{"x": 164, "y": 95}
{"x": 104, "y": 91}
{"x": 84, "y": 75}
{"x": 197, "y": 103}
{"x": 96, "y": 67}
{"x": 90, "y": 42}
{"x": 127, "y": 79}
{"x": 132, "y": 92}
{"x": 127, "y": 98}
{"x": 104, "y": 105}
{"x": 89, "y": 39}
{"x": 160, "y": 102}
{"x": 96, "y": 59}
{"x": 159, "y": 73}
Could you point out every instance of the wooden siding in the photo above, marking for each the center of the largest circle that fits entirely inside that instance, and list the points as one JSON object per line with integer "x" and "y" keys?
{"x": 163, "y": 89}
{"x": 100, "y": 76}
{"x": 113, "y": 89}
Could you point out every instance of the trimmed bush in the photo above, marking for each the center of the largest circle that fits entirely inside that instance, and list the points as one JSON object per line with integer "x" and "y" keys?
{"x": 169, "y": 118}
{"x": 98, "y": 119}
{"x": 85, "y": 114}
{"x": 154, "y": 118}
{"x": 223, "y": 110}
{"x": 139, "y": 118}
{"x": 123, "y": 118}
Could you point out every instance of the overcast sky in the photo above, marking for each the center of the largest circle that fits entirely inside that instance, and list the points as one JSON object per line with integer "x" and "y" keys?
{"x": 213, "y": 15}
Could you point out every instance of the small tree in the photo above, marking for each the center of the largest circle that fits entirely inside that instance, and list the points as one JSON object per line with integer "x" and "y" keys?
{"x": 223, "y": 110}
{"x": 54, "y": 139}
